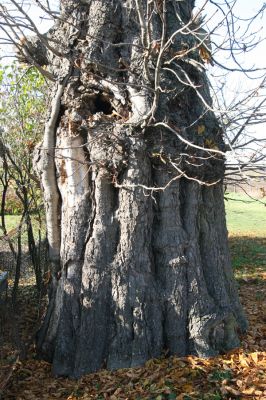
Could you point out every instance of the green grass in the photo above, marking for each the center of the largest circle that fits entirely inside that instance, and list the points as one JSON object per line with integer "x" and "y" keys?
{"x": 245, "y": 216}
{"x": 12, "y": 221}
{"x": 246, "y": 223}
{"x": 248, "y": 253}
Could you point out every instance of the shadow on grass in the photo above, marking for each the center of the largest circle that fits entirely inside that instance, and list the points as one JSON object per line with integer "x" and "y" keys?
{"x": 248, "y": 254}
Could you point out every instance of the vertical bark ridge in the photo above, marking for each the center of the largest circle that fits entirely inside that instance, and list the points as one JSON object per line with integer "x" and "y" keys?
{"x": 102, "y": 33}
{"x": 169, "y": 244}
{"x": 70, "y": 162}
{"x": 137, "y": 333}
{"x": 48, "y": 178}
{"x": 74, "y": 189}
{"x": 202, "y": 312}
{"x": 96, "y": 276}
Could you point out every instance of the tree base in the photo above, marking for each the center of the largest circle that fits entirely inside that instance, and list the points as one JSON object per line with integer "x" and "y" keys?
{"x": 157, "y": 279}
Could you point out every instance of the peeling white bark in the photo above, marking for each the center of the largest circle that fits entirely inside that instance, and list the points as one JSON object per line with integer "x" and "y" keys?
{"x": 48, "y": 178}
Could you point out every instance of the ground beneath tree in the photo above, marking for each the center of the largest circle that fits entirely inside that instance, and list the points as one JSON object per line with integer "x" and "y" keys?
{"x": 240, "y": 374}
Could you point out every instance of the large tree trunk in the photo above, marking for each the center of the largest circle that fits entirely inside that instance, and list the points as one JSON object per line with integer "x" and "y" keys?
{"x": 135, "y": 222}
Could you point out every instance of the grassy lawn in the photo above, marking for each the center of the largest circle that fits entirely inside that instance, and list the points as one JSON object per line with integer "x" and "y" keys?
{"x": 244, "y": 215}
{"x": 246, "y": 223}
{"x": 12, "y": 221}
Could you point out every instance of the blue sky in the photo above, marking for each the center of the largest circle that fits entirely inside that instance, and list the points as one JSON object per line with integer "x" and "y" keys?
{"x": 238, "y": 83}
{"x": 243, "y": 9}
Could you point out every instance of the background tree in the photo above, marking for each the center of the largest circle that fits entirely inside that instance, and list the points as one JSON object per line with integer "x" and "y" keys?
{"x": 131, "y": 164}
{"x": 22, "y": 106}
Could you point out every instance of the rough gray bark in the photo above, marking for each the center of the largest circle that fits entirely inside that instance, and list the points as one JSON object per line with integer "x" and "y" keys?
{"x": 138, "y": 272}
